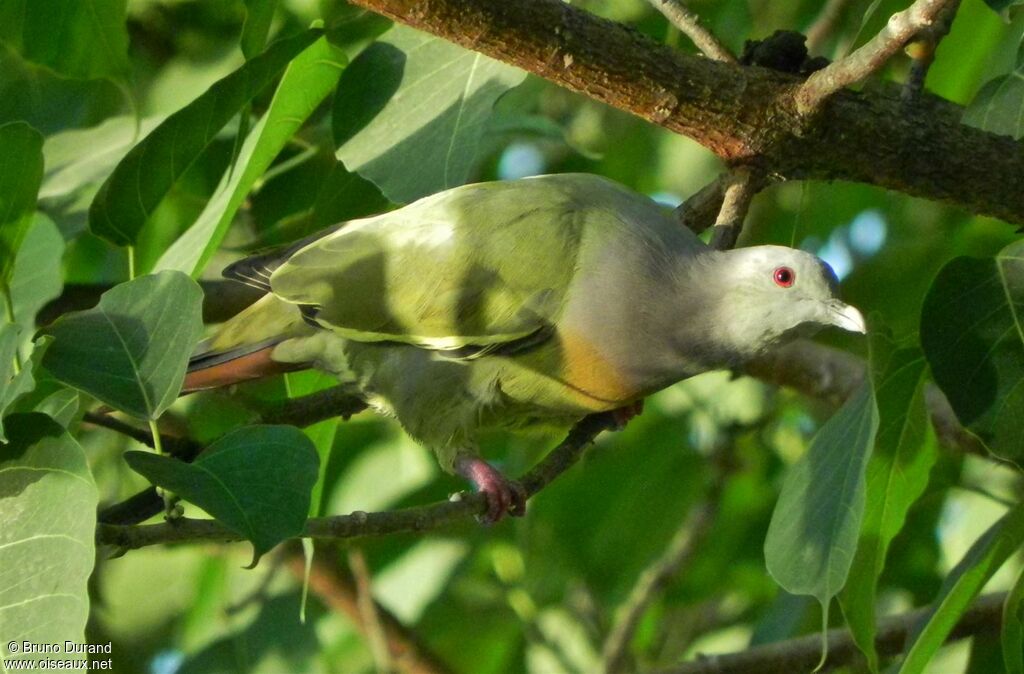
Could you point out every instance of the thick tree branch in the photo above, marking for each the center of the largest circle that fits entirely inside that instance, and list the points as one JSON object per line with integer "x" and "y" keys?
{"x": 869, "y": 58}
{"x": 422, "y": 518}
{"x": 743, "y": 114}
{"x": 689, "y": 24}
{"x": 802, "y": 654}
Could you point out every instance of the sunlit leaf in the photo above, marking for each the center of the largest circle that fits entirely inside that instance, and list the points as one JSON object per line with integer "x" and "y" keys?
{"x": 77, "y": 38}
{"x": 21, "y": 171}
{"x": 48, "y": 507}
{"x": 411, "y": 109}
{"x": 256, "y": 480}
{"x": 813, "y": 532}
{"x": 972, "y": 332}
{"x": 963, "y": 584}
{"x": 131, "y": 350}
{"x": 306, "y": 82}
{"x": 897, "y": 474}
{"x": 143, "y": 178}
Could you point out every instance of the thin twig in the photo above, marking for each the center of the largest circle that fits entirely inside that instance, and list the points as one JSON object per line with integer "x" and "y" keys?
{"x": 802, "y": 653}
{"x": 689, "y": 24}
{"x": 824, "y": 23}
{"x": 743, "y": 184}
{"x": 900, "y": 29}
{"x": 369, "y": 614}
{"x": 418, "y": 519}
{"x": 922, "y": 51}
{"x": 139, "y": 435}
{"x": 337, "y": 590}
{"x": 652, "y": 582}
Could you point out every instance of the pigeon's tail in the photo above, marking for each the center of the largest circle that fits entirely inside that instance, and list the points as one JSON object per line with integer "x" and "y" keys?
{"x": 241, "y": 349}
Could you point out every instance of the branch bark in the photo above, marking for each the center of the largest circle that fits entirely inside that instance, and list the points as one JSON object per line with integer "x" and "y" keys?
{"x": 743, "y": 114}
{"x": 802, "y": 654}
{"x": 869, "y": 58}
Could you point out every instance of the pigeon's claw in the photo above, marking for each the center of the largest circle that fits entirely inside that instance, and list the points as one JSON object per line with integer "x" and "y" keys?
{"x": 623, "y": 414}
{"x": 504, "y": 496}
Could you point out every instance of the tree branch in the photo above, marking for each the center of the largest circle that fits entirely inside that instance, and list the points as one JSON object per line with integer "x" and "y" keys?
{"x": 743, "y": 114}
{"x": 739, "y": 191}
{"x": 689, "y": 24}
{"x": 421, "y": 518}
{"x": 802, "y": 654}
{"x": 922, "y": 51}
{"x": 337, "y": 590}
{"x": 900, "y": 29}
{"x": 824, "y": 23}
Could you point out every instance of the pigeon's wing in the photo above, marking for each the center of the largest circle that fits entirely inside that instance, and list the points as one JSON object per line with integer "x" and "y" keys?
{"x": 468, "y": 270}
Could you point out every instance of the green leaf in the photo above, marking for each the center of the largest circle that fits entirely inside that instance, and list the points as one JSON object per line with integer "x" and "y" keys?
{"x": 255, "y": 480}
{"x": 813, "y": 532}
{"x": 21, "y": 171}
{"x": 972, "y": 332}
{"x": 1000, "y": 6}
{"x": 259, "y": 14}
{"x": 37, "y": 273}
{"x": 897, "y": 474}
{"x": 1013, "y": 628}
{"x": 84, "y": 39}
{"x": 306, "y": 82}
{"x": 148, "y": 172}
{"x": 998, "y": 105}
{"x": 61, "y": 406}
{"x": 17, "y": 374}
{"x": 131, "y": 350}
{"x": 962, "y": 585}
{"x": 48, "y": 507}
{"x": 411, "y": 109}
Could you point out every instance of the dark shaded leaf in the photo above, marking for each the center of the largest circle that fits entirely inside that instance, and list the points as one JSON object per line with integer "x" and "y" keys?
{"x": 142, "y": 179}
{"x": 972, "y": 332}
{"x": 131, "y": 350}
{"x": 256, "y": 480}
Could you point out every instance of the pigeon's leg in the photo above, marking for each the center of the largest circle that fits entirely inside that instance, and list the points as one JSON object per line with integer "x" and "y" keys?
{"x": 623, "y": 414}
{"x": 504, "y": 496}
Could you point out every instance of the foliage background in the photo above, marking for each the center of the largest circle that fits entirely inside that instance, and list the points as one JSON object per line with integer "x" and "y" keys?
{"x": 537, "y": 594}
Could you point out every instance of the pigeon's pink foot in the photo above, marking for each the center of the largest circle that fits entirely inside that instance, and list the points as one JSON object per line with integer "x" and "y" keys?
{"x": 504, "y": 496}
{"x": 623, "y": 414}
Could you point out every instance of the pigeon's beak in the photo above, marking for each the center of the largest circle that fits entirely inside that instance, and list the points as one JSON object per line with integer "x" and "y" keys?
{"x": 846, "y": 317}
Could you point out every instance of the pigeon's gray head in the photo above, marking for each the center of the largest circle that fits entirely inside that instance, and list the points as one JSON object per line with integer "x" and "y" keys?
{"x": 770, "y": 294}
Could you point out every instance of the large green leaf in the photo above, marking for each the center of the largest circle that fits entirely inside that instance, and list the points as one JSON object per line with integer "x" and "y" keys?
{"x": 131, "y": 350}
{"x": 256, "y": 480}
{"x": 37, "y": 273}
{"x": 146, "y": 174}
{"x": 411, "y": 109}
{"x": 21, "y": 171}
{"x": 48, "y": 509}
{"x": 259, "y": 14}
{"x": 306, "y": 82}
{"x": 963, "y": 584}
{"x": 77, "y": 38}
{"x": 972, "y": 332}
{"x": 1012, "y": 637}
{"x": 897, "y": 474}
{"x": 813, "y": 532}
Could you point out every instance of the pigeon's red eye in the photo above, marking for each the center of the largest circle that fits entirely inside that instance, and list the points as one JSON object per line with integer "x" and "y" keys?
{"x": 784, "y": 277}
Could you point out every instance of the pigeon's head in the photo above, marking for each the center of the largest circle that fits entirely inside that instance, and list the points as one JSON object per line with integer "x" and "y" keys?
{"x": 771, "y": 294}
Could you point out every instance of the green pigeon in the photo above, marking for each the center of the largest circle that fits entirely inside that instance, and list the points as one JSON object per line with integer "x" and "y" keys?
{"x": 532, "y": 301}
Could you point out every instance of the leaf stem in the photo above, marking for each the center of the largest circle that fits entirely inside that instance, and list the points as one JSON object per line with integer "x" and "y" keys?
{"x": 155, "y": 432}
{"x": 131, "y": 262}
{"x": 9, "y": 312}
